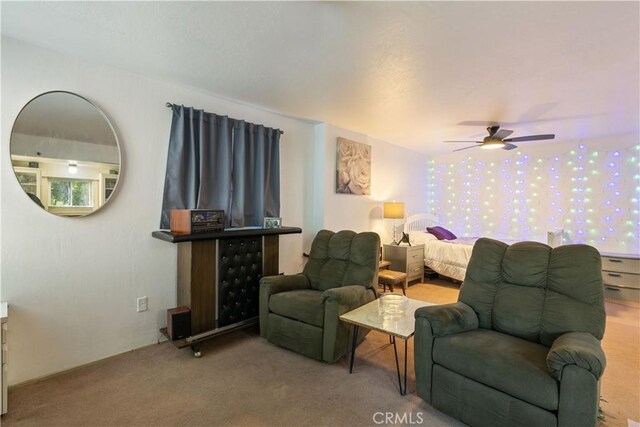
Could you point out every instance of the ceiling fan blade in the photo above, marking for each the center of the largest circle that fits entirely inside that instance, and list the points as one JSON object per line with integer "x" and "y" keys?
{"x": 502, "y": 133}
{"x": 508, "y": 146}
{"x": 484, "y": 123}
{"x": 477, "y": 142}
{"x": 530, "y": 138}
{"x": 466, "y": 148}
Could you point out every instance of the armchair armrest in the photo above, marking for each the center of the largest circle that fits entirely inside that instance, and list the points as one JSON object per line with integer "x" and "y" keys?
{"x": 349, "y": 297}
{"x": 576, "y": 348}
{"x": 336, "y": 334}
{"x": 275, "y": 284}
{"x": 449, "y": 318}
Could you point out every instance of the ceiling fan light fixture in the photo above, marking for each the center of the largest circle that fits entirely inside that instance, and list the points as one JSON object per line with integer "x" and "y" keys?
{"x": 493, "y": 145}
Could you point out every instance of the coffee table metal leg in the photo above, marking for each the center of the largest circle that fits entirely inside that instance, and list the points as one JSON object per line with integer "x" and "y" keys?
{"x": 403, "y": 390}
{"x": 354, "y": 343}
{"x": 395, "y": 351}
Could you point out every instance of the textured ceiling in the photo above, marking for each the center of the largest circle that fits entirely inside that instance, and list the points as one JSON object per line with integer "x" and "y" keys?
{"x": 410, "y": 73}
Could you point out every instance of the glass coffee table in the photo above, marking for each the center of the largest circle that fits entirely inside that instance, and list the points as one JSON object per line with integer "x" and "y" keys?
{"x": 401, "y": 326}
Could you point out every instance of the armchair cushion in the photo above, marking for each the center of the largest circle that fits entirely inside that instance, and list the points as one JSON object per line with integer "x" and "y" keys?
{"x": 449, "y": 318}
{"x": 304, "y": 305}
{"x": 343, "y": 258}
{"x": 503, "y": 362}
{"x": 576, "y": 348}
{"x": 272, "y": 285}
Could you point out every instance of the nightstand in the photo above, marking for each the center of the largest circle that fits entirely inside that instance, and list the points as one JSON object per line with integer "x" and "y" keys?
{"x": 408, "y": 259}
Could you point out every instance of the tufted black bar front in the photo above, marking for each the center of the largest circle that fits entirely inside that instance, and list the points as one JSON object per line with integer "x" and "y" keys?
{"x": 239, "y": 274}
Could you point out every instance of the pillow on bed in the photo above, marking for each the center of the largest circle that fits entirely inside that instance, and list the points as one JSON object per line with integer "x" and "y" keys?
{"x": 441, "y": 233}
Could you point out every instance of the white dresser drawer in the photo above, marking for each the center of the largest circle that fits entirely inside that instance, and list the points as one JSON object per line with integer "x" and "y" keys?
{"x": 621, "y": 264}
{"x": 415, "y": 254}
{"x": 624, "y": 280}
{"x": 612, "y": 293}
{"x": 415, "y": 270}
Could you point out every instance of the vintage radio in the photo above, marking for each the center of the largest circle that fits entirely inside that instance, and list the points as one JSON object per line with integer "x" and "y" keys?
{"x": 178, "y": 323}
{"x": 192, "y": 221}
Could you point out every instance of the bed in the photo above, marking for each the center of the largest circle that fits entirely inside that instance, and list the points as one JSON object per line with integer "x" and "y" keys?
{"x": 445, "y": 257}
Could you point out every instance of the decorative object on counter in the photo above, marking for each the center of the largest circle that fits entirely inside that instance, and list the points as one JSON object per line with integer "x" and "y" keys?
{"x": 61, "y": 146}
{"x": 273, "y": 222}
{"x": 185, "y": 221}
{"x": 392, "y": 305}
{"x": 353, "y": 170}
{"x": 245, "y": 162}
{"x": 393, "y": 210}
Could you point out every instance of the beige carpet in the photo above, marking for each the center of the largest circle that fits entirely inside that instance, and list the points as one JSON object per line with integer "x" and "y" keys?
{"x": 243, "y": 380}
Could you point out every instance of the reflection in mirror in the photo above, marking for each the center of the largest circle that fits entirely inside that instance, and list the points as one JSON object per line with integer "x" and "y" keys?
{"x": 65, "y": 154}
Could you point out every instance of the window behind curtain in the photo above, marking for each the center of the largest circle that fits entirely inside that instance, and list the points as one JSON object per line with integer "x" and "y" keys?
{"x": 215, "y": 162}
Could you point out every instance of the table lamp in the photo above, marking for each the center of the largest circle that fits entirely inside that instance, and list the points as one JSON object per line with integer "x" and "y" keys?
{"x": 394, "y": 210}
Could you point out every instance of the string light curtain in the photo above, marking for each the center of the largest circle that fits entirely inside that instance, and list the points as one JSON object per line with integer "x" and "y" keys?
{"x": 215, "y": 162}
{"x": 591, "y": 193}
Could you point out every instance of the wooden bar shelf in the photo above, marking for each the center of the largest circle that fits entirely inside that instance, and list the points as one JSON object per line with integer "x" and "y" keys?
{"x": 219, "y": 275}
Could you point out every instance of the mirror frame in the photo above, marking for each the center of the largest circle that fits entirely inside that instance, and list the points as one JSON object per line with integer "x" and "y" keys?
{"x": 115, "y": 136}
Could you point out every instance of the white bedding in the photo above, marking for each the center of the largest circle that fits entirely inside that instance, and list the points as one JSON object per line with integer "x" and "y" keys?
{"x": 446, "y": 257}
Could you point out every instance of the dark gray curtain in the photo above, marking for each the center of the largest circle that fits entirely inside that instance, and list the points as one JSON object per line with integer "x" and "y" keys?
{"x": 215, "y": 162}
{"x": 256, "y": 174}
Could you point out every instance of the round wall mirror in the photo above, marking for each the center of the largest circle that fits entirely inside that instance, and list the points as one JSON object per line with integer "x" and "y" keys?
{"x": 65, "y": 154}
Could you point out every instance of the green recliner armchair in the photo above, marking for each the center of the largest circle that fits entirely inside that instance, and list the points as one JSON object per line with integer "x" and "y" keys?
{"x": 521, "y": 347}
{"x": 300, "y": 312}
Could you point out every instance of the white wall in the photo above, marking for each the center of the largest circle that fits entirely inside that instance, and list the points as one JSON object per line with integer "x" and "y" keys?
{"x": 589, "y": 189}
{"x": 78, "y": 304}
{"x": 72, "y": 283}
{"x": 396, "y": 174}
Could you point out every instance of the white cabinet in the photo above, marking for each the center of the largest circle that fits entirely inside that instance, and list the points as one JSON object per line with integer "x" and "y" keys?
{"x": 408, "y": 259}
{"x": 107, "y": 185}
{"x": 621, "y": 277}
{"x": 3, "y": 371}
{"x": 29, "y": 179}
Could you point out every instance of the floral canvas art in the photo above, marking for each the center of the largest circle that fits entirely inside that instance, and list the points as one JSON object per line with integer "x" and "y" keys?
{"x": 353, "y": 171}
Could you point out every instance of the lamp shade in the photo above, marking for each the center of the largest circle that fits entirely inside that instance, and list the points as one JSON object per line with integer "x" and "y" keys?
{"x": 394, "y": 210}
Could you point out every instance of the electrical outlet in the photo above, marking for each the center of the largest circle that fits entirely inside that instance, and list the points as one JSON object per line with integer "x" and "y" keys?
{"x": 142, "y": 304}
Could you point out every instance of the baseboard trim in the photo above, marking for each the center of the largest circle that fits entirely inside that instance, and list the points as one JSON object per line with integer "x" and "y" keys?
{"x": 84, "y": 365}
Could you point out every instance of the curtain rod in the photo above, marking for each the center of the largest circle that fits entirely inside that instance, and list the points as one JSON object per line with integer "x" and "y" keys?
{"x": 170, "y": 105}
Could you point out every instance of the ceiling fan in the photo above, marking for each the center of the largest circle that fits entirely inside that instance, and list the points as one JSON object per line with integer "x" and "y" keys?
{"x": 498, "y": 139}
